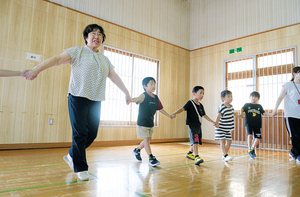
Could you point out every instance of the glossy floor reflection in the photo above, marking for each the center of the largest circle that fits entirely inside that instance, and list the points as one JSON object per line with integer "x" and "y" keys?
{"x": 115, "y": 172}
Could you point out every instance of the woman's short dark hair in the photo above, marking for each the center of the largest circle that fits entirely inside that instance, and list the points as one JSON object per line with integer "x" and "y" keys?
{"x": 90, "y": 28}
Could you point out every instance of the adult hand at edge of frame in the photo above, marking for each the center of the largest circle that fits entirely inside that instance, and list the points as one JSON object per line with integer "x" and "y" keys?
{"x": 128, "y": 99}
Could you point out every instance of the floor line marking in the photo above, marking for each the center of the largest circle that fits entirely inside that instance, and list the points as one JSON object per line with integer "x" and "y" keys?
{"x": 42, "y": 186}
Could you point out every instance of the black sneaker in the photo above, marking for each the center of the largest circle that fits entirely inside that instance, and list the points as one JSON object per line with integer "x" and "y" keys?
{"x": 136, "y": 153}
{"x": 153, "y": 161}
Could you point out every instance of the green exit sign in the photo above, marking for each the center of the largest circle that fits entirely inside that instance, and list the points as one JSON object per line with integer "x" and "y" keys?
{"x": 236, "y": 50}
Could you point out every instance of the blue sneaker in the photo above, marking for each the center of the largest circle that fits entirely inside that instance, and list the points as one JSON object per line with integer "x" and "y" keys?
{"x": 298, "y": 159}
{"x": 293, "y": 156}
{"x": 251, "y": 153}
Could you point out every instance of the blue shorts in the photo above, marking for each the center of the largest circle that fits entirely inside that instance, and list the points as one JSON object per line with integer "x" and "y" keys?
{"x": 254, "y": 131}
{"x": 195, "y": 134}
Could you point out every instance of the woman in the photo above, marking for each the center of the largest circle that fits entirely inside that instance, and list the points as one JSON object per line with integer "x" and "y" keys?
{"x": 90, "y": 68}
{"x": 291, "y": 94}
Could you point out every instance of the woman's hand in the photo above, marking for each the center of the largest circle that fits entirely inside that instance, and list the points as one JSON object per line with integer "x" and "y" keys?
{"x": 31, "y": 74}
{"x": 128, "y": 99}
{"x": 274, "y": 113}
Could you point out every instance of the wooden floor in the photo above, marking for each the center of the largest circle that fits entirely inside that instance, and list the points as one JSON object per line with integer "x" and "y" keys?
{"x": 115, "y": 172}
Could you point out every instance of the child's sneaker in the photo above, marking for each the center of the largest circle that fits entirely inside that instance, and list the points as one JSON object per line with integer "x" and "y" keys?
{"x": 136, "y": 153}
{"x": 153, "y": 161}
{"x": 190, "y": 156}
{"x": 293, "y": 157}
{"x": 252, "y": 153}
{"x": 198, "y": 160}
{"x": 227, "y": 158}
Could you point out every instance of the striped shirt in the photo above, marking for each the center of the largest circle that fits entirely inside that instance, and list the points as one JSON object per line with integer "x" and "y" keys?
{"x": 226, "y": 122}
{"x": 89, "y": 73}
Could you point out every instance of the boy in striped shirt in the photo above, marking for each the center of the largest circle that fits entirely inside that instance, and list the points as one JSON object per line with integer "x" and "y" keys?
{"x": 225, "y": 119}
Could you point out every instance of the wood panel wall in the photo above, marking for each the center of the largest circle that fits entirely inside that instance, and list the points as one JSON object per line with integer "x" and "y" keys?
{"x": 206, "y": 66}
{"x": 217, "y": 21}
{"x": 166, "y": 20}
{"x": 45, "y": 28}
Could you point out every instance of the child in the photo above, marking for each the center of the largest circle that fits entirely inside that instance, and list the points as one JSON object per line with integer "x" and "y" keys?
{"x": 149, "y": 103}
{"x": 10, "y": 73}
{"x": 226, "y": 124}
{"x": 253, "y": 112}
{"x": 195, "y": 112}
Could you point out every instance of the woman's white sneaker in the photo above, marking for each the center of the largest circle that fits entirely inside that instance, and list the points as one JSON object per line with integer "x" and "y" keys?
{"x": 69, "y": 161}
{"x": 83, "y": 176}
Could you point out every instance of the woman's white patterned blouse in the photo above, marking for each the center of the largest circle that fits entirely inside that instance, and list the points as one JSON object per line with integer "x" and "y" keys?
{"x": 89, "y": 73}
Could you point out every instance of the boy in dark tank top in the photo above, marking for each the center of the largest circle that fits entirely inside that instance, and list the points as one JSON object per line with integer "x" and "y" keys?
{"x": 149, "y": 103}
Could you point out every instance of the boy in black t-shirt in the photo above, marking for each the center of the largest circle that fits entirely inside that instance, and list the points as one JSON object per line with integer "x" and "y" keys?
{"x": 253, "y": 112}
{"x": 194, "y": 113}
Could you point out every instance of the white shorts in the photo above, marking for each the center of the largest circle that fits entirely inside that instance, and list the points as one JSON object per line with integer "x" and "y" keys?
{"x": 143, "y": 132}
{"x": 223, "y": 135}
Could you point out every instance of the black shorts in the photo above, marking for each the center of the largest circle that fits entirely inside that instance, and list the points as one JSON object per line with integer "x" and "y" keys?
{"x": 254, "y": 131}
{"x": 195, "y": 133}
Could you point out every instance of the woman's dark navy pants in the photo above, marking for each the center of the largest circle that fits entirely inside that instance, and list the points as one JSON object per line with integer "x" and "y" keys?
{"x": 84, "y": 117}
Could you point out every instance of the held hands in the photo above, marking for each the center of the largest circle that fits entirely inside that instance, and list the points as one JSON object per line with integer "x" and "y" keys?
{"x": 216, "y": 124}
{"x": 240, "y": 116}
{"x": 29, "y": 74}
{"x": 274, "y": 113}
{"x": 23, "y": 72}
{"x": 172, "y": 116}
{"x": 128, "y": 99}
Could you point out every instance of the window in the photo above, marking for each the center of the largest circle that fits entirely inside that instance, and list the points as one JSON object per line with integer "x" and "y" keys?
{"x": 266, "y": 73}
{"x": 132, "y": 69}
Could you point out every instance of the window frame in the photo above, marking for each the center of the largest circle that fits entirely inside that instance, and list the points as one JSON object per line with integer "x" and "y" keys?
{"x": 131, "y": 122}
{"x": 254, "y": 72}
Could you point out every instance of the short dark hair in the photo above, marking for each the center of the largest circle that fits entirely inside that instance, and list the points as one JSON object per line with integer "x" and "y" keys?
{"x": 197, "y": 88}
{"x": 90, "y": 28}
{"x": 146, "y": 80}
{"x": 224, "y": 93}
{"x": 255, "y": 94}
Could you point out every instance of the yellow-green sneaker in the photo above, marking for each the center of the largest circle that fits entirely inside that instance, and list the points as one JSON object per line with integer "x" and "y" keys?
{"x": 190, "y": 156}
{"x": 198, "y": 160}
